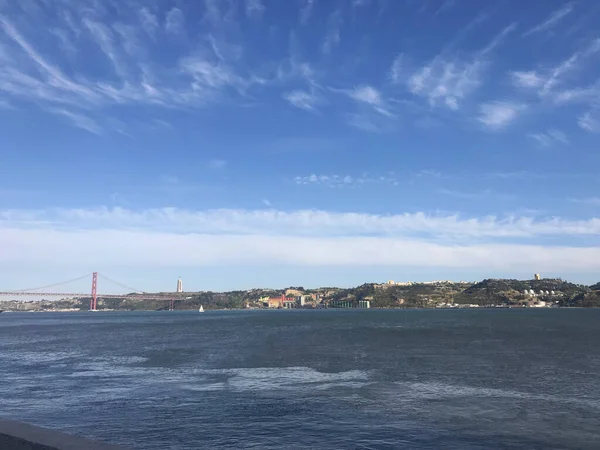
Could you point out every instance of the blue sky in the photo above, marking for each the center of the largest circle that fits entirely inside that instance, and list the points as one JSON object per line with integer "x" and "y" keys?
{"x": 268, "y": 143}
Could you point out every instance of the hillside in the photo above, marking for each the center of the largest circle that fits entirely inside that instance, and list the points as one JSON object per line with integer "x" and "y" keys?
{"x": 413, "y": 296}
{"x": 589, "y": 300}
{"x": 506, "y": 291}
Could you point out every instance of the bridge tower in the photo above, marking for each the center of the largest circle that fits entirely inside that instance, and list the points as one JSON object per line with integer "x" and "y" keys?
{"x": 94, "y": 300}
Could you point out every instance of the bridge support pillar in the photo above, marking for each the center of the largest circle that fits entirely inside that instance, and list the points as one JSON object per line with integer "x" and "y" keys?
{"x": 94, "y": 299}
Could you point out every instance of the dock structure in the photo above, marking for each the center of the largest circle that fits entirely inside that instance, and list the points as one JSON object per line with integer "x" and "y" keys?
{"x": 362, "y": 304}
{"x": 23, "y": 436}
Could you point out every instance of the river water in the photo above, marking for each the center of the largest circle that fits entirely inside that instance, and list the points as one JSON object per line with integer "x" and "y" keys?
{"x": 347, "y": 379}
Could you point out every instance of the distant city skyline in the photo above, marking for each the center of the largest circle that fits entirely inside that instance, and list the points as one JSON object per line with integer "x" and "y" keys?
{"x": 257, "y": 143}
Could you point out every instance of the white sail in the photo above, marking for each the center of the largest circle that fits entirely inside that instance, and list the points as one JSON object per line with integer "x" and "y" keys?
{"x": 201, "y": 309}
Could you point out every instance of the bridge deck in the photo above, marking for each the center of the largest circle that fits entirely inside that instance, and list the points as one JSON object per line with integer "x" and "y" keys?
{"x": 177, "y": 296}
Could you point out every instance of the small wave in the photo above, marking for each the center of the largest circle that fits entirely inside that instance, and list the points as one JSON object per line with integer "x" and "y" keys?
{"x": 30, "y": 358}
{"x": 266, "y": 378}
{"x": 434, "y": 391}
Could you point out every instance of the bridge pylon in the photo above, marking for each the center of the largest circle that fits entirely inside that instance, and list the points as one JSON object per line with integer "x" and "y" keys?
{"x": 94, "y": 298}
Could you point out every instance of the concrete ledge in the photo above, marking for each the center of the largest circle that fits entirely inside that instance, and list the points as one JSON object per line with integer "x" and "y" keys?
{"x": 22, "y": 436}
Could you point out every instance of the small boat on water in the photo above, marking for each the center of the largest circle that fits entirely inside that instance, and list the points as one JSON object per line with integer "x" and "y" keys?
{"x": 201, "y": 309}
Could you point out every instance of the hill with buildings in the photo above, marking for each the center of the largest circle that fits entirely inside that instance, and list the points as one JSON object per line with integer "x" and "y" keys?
{"x": 413, "y": 295}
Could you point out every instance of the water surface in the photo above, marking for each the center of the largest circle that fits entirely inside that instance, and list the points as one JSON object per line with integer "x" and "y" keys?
{"x": 414, "y": 379}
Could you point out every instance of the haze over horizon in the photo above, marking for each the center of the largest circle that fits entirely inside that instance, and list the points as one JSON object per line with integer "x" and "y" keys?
{"x": 257, "y": 143}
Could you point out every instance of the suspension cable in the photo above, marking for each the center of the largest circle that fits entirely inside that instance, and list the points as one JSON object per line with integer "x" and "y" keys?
{"x": 129, "y": 288}
{"x": 54, "y": 285}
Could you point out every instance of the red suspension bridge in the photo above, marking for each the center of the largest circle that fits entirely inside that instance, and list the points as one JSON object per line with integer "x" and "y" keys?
{"x": 94, "y": 295}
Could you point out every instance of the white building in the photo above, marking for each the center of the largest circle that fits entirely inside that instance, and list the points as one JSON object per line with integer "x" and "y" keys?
{"x": 179, "y": 285}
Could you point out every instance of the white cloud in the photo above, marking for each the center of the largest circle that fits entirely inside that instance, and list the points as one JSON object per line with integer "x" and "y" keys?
{"x": 397, "y": 69}
{"x": 206, "y": 74}
{"x": 371, "y": 96}
{"x": 254, "y": 9}
{"x": 367, "y": 94}
{"x": 154, "y": 249}
{"x": 551, "y": 21}
{"x": 550, "y": 137}
{"x": 528, "y": 79}
{"x": 267, "y": 202}
{"x": 589, "y": 122}
{"x": 303, "y": 99}
{"x": 306, "y": 11}
{"x": 586, "y": 95}
{"x": 174, "y": 22}
{"x": 149, "y": 21}
{"x": 499, "y": 114}
{"x": 172, "y": 237}
{"x": 448, "y": 79}
{"x": 339, "y": 181}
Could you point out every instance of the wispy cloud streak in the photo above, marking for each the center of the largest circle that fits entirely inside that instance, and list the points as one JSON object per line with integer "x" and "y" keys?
{"x": 303, "y": 222}
{"x": 551, "y": 21}
{"x": 550, "y": 138}
{"x": 447, "y": 79}
{"x": 547, "y": 83}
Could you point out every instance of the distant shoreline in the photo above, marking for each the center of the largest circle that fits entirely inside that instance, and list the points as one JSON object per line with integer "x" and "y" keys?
{"x": 297, "y": 309}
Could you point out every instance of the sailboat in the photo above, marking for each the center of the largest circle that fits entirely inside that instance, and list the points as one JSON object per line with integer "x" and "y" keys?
{"x": 201, "y": 309}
